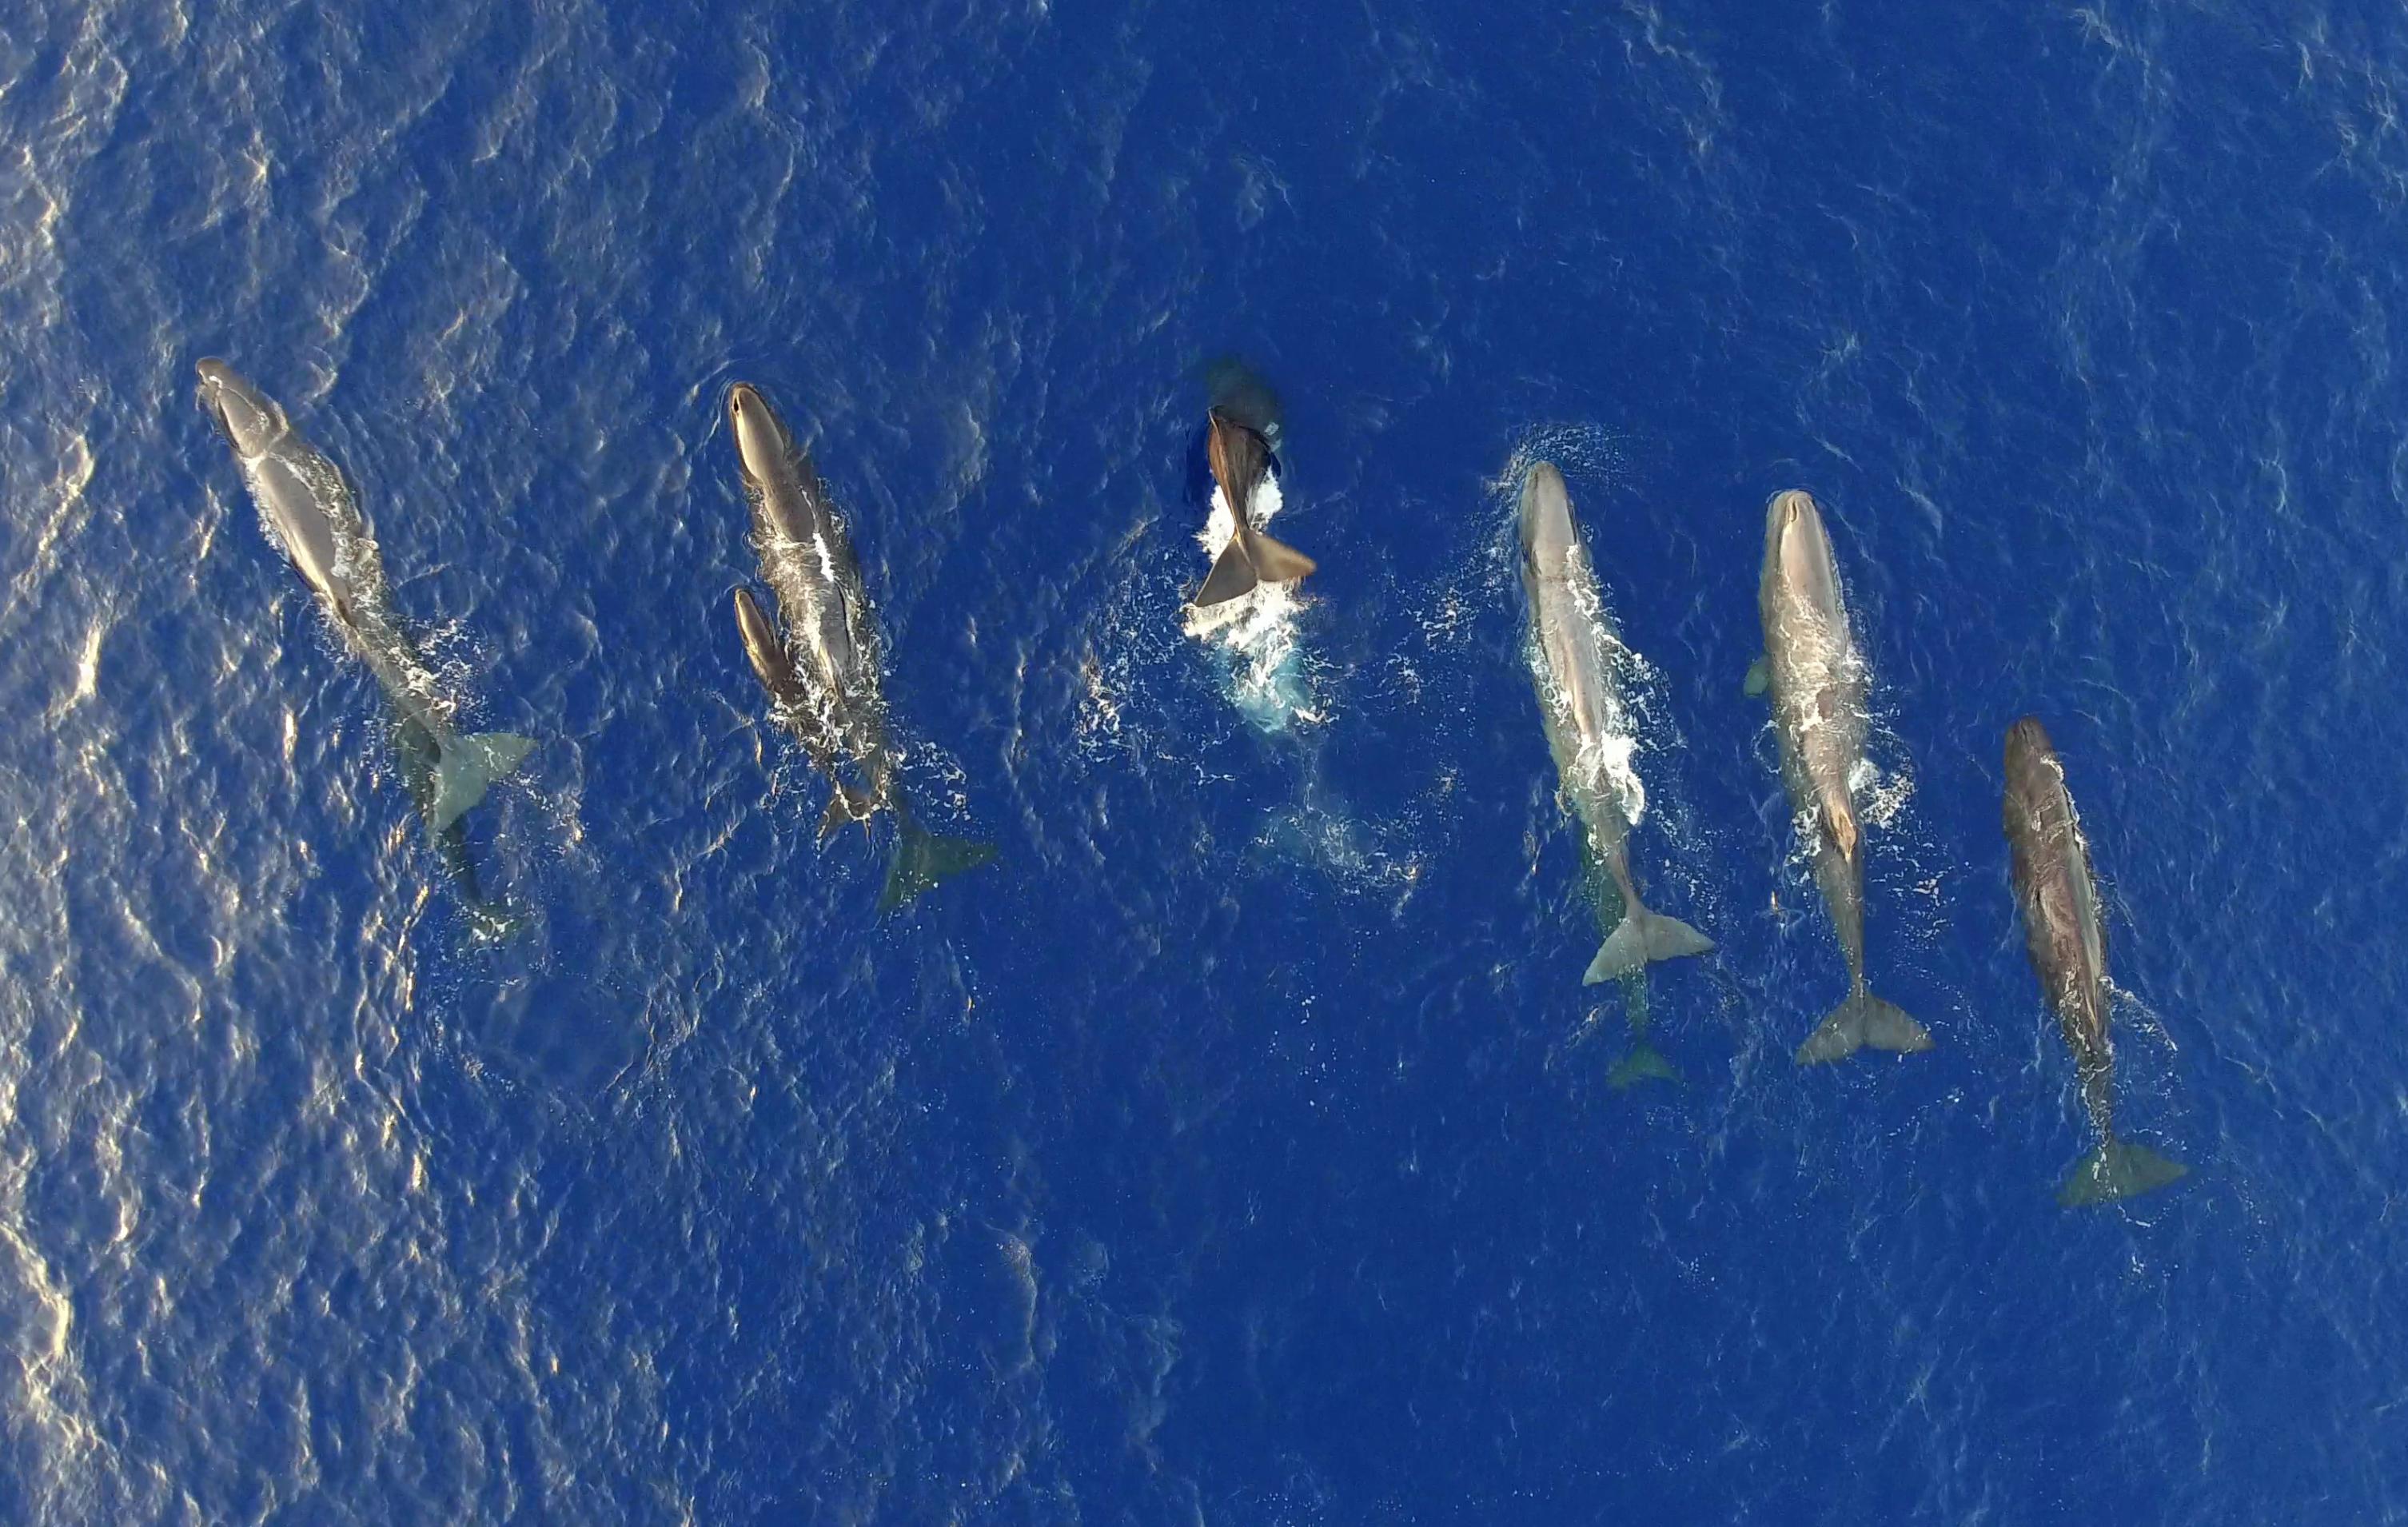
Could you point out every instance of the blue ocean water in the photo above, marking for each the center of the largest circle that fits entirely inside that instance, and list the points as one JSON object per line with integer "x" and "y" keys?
{"x": 1241, "y": 1147}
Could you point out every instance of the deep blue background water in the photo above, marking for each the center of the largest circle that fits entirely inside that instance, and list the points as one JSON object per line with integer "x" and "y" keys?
{"x": 1239, "y": 1147}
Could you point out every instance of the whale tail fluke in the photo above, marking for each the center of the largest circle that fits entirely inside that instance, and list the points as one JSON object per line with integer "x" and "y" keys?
{"x": 1232, "y": 575}
{"x": 1863, "y": 1019}
{"x": 923, "y": 858}
{"x": 1644, "y": 1063}
{"x": 1276, "y": 562}
{"x": 1640, "y": 939}
{"x": 2118, "y": 1169}
{"x": 467, "y": 767}
{"x": 1251, "y": 558}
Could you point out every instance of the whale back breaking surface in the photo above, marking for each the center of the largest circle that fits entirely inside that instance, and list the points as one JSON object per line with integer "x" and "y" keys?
{"x": 305, "y": 504}
{"x": 824, "y": 674}
{"x": 254, "y": 422}
{"x": 1574, "y": 653}
{"x": 1572, "y": 644}
{"x": 1817, "y": 677}
{"x": 1817, "y": 674}
{"x": 1805, "y": 551}
{"x": 2056, "y": 893}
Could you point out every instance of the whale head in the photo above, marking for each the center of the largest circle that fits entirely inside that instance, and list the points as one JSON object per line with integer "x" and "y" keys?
{"x": 763, "y": 447}
{"x": 251, "y": 419}
{"x": 761, "y": 643}
{"x": 1796, "y": 547}
{"x": 2028, "y": 740}
{"x": 1547, "y": 535}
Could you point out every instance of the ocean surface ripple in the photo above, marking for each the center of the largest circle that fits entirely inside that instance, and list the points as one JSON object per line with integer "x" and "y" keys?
{"x": 1239, "y": 1147}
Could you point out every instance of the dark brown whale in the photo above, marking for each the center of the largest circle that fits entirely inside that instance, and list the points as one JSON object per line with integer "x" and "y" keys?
{"x": 2059, "y": 901}
{"x": 1242, "y": 458}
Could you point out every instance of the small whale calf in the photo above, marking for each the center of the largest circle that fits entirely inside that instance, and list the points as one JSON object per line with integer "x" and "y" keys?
{"x": 1240, "y": 459}
{"x": 1817, "y": 681}
{"x": 792, "y": 706}
{"x": 314, "y": 517}
{"x": 824, "y": 679}
{"x": 1572, "y": 643}
{"x": 2059, "y": 901}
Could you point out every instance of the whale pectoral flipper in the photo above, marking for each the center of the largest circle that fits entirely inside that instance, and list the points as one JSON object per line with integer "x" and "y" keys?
{"x": 1863, "y": 1019}
{"x": 1759, "y": 678}
{"x": 467, "y": 767}
{"x": 1641, "y": 939}
{"x": 2118, "y": 1169}
{"x": 1276, "y": 562}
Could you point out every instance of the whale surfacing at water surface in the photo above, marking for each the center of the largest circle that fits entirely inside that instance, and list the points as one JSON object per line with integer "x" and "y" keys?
{"x": 1587, "y": 730}
{"x": 824, "y": 677}
{"x": 2058, "y": 898}
{"x": 1817, "y": 681}
{"x": 313, "y": 516}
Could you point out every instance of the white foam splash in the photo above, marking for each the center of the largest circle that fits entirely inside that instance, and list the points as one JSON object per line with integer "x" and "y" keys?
{"x": 1882, "y": 797}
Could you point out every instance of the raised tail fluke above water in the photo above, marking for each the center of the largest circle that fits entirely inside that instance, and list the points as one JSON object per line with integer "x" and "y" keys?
{"x": 2118, "y": 1169}
{"x": 1240, "y": 459}
{"x": 1275, "y": 560}
{"x": 467, "y": 767}
{"x": 1251, "y": 558}
{"x": 1232, "y": 575}
{"x": 923, "y": 859}
{"x": 1641, "y": 938}
{"x": 1863, "y": 1019}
